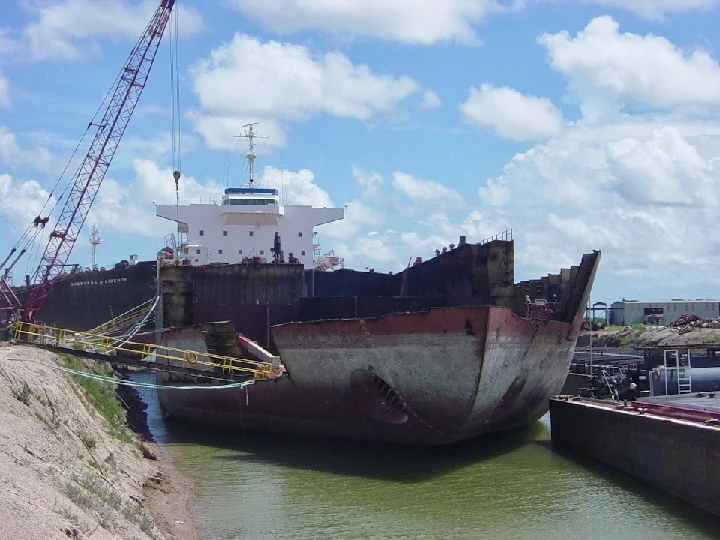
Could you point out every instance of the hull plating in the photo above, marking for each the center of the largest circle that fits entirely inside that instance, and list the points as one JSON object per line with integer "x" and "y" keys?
{"x": 424, "y": 378}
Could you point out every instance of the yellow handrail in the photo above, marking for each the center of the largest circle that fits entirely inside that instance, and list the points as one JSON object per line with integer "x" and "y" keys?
{"x": 64, "y": 338}
{"x": 117, "y": 321}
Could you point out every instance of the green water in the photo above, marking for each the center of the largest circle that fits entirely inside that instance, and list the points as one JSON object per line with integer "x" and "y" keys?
{"x": 508, "y": 486}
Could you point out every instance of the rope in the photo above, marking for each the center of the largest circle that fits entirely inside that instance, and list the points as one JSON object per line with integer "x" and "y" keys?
{"x": 127, "y": 382}
{"x": 121, "y": 340}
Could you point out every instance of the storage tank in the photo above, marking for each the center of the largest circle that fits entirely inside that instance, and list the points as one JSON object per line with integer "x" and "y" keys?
{"x": 701, "y": 380}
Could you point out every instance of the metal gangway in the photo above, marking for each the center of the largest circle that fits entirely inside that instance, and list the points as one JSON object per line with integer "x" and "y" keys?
{"x": 148, "y": 355}
{"x": 120, "y": 322}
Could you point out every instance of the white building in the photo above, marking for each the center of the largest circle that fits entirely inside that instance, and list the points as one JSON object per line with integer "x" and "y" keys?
{"x": 627, "y": 312}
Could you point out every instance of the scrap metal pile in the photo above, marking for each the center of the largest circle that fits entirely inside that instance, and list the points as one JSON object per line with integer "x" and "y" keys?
{"x": 687, "y": 323}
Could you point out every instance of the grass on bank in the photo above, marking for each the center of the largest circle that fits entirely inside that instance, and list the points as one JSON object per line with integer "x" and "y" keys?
{"x": 91, "y": 494}
{"x": 101, "y": 395}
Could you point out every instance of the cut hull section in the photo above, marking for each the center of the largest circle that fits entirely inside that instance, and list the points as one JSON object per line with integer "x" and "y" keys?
{"x": 420, "y": 378}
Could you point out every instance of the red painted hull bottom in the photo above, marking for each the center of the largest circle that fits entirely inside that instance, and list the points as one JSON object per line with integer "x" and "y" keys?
{"x": 427, "y": 378}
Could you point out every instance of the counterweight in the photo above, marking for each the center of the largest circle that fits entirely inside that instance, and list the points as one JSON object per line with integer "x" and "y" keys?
{"x": 90, "y": 174}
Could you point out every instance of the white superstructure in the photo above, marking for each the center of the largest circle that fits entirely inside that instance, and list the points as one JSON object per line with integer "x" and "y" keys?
{"x": 249, "y": 224}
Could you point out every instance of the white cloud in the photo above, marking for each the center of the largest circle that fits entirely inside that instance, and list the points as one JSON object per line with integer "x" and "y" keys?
{"x": 20, "y": 202}
{"x": 656, "y": 9}
{"x": 115, "y": 208}
{"x": 440, "y": 232}
{"x": 278, "y": 82}
{"x": 390, "y": 250}
{"x": 495, "y": 192}
{"x": 410, "y": 21}
{"x": 4, "y": 91}
{"x": 296, "y": 187}
{"x": 153, "y": 183}
{"x": 373, "y": 249}
{"x": 13, "y": 155}
{"x": 358, "y": 215}
{"x": 645, "y": 191}
{"x": 608, "y": 69}
{"x": 378, "y": 232}
{"x": 68, "y": 30}
{"x": 425, "y": 191}
{"x": 511, "y": 114}
{"x": 643, "y": 161}
{"x": 664, "y": 169}
{"x": 641, "y": 187}
{"x": 222, "y": 132}
{"x": 431, "y": 100}
{"x": 370, "y": 182}
{"x": 129, "y": 208}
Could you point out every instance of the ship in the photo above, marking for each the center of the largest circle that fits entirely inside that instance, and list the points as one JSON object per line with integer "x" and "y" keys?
{"x": 446, "y": 349}
{"x": 429, "y": 369}
{"x": 84, "y": 298}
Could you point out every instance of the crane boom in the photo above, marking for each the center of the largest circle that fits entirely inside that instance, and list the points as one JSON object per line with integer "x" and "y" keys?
{"x": 91, "y": 172}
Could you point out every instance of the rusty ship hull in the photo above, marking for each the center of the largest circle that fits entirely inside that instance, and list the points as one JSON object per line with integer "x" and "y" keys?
{"x": 431, "y": 376}
{"x": 421, "y": 378}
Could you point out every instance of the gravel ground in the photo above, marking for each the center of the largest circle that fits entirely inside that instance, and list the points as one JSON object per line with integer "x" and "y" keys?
{"x": 64, "y": 475}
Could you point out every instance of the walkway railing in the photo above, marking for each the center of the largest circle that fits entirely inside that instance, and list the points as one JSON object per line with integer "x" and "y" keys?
{"x": 134, "y": 313}
{"x": 106, "y": 345}
{"x": 505, "y": 235}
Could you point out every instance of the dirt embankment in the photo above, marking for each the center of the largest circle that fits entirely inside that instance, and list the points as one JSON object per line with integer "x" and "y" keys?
{"x": 69, "y": 467}
{"x": 648, "y": 336}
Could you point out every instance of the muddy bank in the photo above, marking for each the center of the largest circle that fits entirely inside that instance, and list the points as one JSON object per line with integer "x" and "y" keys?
{"x": 69, "y": 467}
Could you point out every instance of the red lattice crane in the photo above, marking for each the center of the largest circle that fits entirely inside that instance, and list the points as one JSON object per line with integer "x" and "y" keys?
{"x": 86, "y": 182}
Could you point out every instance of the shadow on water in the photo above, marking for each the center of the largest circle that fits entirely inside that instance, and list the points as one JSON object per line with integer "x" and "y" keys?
{"x": 383, "y": 461}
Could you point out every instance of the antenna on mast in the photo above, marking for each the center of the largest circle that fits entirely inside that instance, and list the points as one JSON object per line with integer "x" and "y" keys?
{"x": 95, "y": 240}
{"x": 250, "y": 155}
{"x": 282, "y": 179}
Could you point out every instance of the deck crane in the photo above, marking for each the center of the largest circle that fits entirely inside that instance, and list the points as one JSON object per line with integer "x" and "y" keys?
{"x": 86, "y": 181}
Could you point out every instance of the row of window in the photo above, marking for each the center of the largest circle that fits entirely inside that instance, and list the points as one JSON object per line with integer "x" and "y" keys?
{"x": 675, "y": 306}
{"x": 248, "y": 202}
{"x": 252, "y": 233}
{"x": 262, "y": 252}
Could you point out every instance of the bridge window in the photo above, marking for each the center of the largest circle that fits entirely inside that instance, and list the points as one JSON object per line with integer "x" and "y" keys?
{"x": 224, "y": 233}
{"x": 240, "y": 252}
{"x": 202, "y": 233}
{"x": 251, "y": 233}
{"x": 262, "y": 252}
{"x": 302, "y": 252}
{"x": 300, "y": 234}
{"x": 197, "y": 252}
{"x": 219, "y": 251}
{"x": 248, "y": 202}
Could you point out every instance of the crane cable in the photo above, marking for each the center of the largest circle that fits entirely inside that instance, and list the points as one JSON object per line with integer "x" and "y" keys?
{"x": 35, "y": 261}
{"x": 175, "y": 91}
{"x": 24, "y": 243}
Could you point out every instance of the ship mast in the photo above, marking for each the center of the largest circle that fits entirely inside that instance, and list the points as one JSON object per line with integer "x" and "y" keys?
{"x": 95, "y": 240}
{"x": 250, "y": 155}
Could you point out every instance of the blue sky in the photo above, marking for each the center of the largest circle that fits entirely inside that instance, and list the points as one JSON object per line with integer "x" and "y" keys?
{"x": 580, "y": 124}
